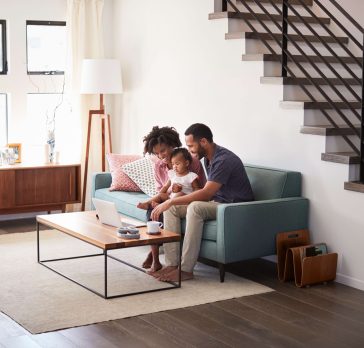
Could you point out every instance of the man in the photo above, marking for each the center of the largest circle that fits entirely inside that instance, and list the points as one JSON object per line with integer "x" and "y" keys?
{"x": 227, "y": 182}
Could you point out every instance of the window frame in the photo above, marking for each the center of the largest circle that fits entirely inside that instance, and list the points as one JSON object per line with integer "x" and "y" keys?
{"x": 45, "y": 23}
{"x": 4, "y": 62}
{"x": 6, "y": 117}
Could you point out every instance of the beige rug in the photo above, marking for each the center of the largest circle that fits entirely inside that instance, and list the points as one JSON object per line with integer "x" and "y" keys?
{"x": 41, "y": 300}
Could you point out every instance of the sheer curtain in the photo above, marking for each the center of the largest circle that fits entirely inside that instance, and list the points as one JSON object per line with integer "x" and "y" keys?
{"x": 85, "y": 40}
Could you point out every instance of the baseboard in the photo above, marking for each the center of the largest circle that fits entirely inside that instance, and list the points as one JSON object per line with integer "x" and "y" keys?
{"x": 349, "y": 281}
{"x": 18, "y": 216}
{"x": 24, "y": 215}
{"x": 271, "y": 258}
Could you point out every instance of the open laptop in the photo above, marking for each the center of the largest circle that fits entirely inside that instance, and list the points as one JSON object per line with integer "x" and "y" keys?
{"x": 108, "y": 215}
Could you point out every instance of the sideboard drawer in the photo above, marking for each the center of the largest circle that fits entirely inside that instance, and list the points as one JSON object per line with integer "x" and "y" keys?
{"x": 45, "y": 185}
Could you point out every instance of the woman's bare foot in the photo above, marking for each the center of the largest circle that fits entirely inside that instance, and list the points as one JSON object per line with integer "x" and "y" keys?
{"x": 143, "y": 205}
{"x": 156, "y": 266}
{"x": 148, "y": 261}
{"x": 162, "y": 271}
{"x": 174, "y": 275}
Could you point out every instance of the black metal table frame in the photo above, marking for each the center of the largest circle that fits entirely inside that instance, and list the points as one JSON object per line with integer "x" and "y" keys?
{"x": 106, "y": 255}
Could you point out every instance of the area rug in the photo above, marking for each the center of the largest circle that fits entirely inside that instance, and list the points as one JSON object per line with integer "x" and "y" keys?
{"x": 41, "y": 300}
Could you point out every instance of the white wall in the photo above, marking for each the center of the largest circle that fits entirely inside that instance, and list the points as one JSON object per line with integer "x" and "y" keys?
{"x": 178, "y": 69}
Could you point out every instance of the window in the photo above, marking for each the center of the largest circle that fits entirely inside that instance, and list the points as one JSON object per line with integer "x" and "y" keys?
{"x": 46, "y": 47}
{"x": 43, "y": 110}
{"x": 3, "y": 120}
{"x": 3, "y": 61}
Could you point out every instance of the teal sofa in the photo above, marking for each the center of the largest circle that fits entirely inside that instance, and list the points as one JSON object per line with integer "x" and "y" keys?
{"x": 241, "y": 231}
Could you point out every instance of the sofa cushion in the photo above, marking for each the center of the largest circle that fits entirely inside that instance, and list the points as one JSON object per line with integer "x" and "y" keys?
{"x": 121, "y": 181}
{"x": 270, "y": 183}
{"x": 125, "y": 202}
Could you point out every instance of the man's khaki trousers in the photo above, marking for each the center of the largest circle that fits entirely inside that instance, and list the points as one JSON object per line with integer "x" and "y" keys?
{"x": 195, "y": 214}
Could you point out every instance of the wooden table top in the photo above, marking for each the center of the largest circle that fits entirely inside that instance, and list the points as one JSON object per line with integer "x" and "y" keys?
{"x": 85, "y": 226}
{"x": 23, "y": 166}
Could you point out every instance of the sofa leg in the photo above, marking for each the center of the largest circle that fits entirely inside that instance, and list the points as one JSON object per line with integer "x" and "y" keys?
{"x": 222, "y": 272}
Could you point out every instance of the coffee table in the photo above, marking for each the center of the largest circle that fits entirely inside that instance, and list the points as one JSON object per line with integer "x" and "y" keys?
{"x": 86, "y": 227}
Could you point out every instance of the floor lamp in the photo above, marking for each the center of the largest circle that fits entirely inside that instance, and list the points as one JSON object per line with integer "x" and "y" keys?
{"x": 99, "y": 76}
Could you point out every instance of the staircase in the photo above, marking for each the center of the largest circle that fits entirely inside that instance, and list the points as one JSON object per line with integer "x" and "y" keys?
{"x": 318, "y": 59}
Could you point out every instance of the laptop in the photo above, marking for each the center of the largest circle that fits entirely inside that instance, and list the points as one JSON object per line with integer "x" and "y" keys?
{"x": 108, "y": 215}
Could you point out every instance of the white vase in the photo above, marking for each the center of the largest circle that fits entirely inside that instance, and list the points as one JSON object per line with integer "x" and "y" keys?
{"x": 46, "y": 153}
{"x": 51, "y": 146}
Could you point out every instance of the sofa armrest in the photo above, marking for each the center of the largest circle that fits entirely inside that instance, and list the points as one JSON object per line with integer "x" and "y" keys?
{"x": 248, "y": 230}
{"x": 99, "y": 181}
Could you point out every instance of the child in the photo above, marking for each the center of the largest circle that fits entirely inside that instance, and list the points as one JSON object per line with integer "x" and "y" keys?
{"x": 181, "y": 182}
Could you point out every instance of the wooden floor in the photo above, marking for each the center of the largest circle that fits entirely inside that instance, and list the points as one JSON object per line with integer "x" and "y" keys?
{"x": 319, "y": 316}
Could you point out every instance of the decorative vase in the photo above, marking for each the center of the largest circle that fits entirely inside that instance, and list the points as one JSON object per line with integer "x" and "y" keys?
{"x": 51, "y": 146}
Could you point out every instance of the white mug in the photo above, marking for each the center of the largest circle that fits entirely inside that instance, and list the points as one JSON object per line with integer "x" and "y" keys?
{"x": 154, "y": 226}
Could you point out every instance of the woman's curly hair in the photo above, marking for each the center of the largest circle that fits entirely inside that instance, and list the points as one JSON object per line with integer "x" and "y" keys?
{"x": 163, "y": 135}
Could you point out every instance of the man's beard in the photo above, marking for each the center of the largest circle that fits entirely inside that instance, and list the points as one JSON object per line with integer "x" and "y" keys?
{"x": 201, "y": 152}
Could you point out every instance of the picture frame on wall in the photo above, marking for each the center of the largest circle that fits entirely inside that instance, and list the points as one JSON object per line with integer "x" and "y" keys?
{"x": 17, "y": 151}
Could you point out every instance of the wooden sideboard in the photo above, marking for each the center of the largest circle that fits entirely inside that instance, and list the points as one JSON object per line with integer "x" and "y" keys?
{"x": 29, "y": 188}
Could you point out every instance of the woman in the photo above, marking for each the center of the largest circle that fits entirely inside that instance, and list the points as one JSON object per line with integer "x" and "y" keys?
{"x": 161, "y": 142}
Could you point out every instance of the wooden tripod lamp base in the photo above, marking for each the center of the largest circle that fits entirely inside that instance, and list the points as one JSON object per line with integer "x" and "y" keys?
{"x": 99, "y": 76}
{"x": 101, "y": 113}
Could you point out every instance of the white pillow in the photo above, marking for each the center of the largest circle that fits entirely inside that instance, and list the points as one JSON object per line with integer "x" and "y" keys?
{"x": 142, "y": 173}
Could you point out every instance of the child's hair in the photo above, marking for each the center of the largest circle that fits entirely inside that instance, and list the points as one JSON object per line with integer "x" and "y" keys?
{"x": 184, "y": 152}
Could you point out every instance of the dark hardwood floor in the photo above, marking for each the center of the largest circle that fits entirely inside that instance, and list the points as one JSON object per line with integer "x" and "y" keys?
{"x": 329, "y": 315}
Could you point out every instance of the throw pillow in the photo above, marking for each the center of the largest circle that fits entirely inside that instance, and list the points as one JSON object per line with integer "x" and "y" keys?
{"x": 142, "y": 173}
{"x": 119, "y": 180}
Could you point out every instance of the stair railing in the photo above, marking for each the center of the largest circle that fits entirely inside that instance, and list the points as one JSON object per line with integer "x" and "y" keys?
{"x": 287, "y": 57}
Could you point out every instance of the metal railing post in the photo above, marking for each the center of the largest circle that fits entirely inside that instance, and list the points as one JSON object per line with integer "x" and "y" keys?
{"x": 362, "y": 125}
{"x": 284, "y": 38}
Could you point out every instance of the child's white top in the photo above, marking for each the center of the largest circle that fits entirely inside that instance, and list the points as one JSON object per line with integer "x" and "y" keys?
{"x": 185, "y": 181}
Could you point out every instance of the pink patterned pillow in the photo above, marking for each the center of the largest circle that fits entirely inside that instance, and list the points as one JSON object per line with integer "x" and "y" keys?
{"x": 120, "y": 181}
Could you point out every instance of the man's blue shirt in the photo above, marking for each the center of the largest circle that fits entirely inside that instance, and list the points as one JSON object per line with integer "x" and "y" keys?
{"x": 227, "y": 169}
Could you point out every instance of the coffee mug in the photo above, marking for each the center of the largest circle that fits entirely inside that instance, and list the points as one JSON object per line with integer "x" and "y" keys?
{"x": 154, "y": 226}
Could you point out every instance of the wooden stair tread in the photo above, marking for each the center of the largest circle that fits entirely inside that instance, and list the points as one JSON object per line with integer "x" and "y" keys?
{"x": 305, "y": 81}
{"x": 299, "y": 58}
{"x": 293, "y": 2}
{"x": 309, "y": 105}
{"x": 278, "y": 36}
{"x": 263, "y": 17}
{"x": 328, "y": 130}
{"x": 341, "y": 157}
{"x": 326, "y": 105}
{"x": 354, "y": 186}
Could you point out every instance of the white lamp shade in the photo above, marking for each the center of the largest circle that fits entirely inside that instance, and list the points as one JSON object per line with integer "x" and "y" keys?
{"x": 101, "y": 76}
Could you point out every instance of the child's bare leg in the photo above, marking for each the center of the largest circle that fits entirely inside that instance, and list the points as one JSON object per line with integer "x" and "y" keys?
{"x": 163, "y": 197}
{"x": 156, "y": 266}
{"x": 154, "y": 204}
{"x": 144, "y": 205}
{"x": 178, "y": 194}
{"x": 149, "y": 203}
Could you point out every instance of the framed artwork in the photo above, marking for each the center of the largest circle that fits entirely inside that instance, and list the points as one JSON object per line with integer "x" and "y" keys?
{"x": 17, "y": 151}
